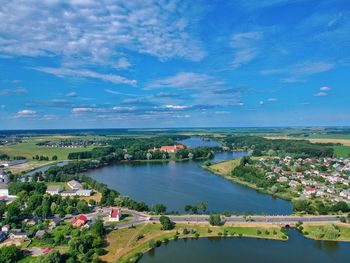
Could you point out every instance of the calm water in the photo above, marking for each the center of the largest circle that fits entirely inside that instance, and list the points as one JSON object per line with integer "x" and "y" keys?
{"x": 45, "y": 168}
{"x": 249, "y": 250}
{"x": 198, "y": 142}
{"x": 178, "y": 184}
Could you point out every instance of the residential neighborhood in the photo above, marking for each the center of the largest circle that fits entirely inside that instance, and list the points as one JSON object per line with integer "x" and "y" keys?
{"x": 327, "y": 178}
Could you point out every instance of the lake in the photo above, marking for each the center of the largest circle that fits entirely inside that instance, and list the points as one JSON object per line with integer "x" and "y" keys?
{"x": 176, "y": 184}
{"x": 250, "y": 250}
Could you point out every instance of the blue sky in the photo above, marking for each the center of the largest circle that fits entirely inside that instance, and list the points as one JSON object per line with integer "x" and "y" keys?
{"x": 106, "y": 64}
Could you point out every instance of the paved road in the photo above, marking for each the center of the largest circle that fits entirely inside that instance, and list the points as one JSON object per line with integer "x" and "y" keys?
{"x": 139, "y": 218}
{"x": 251, "y": 219}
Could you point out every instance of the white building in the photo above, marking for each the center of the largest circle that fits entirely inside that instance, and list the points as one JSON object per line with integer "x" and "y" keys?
{"x": 114, "y": 216}
{"x": 4, "y": 190}
{"x": 74, "y": 185}
{"x": 83, "y": 192}
{"x": 54, "y": 189}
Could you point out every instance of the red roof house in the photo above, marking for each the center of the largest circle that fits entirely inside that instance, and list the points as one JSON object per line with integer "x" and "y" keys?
{"x": 79, "y": 221}
{"x": 172, "y": 149}
{"x": 115, "y": 215}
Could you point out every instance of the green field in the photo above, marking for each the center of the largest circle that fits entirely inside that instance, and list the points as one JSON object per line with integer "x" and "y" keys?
{"x": 344, "y": 233}
{"x": 342, "y": 151}
{"x": 30, "y": 149}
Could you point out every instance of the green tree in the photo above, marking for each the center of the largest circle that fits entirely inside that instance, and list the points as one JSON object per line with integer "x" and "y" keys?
{"x": 52, "y": 257}
{"x": 214, "y": 220}
{"x": 340, "y": 206}
{"x": 202, "y": 206}
{"x": 82, "y": 206}
{"x": 166, "y": 223}
{"x": 98, "y": 229}
{"x": 159, "y": 209}
{"x": 10, "y": 254}
{"x": 187, "y": 208}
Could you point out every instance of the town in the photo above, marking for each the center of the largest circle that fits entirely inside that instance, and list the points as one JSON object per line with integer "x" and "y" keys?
{"x": 328, "y": 178}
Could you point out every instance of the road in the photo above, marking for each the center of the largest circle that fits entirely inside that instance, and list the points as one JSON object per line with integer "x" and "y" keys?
{"x": 139, "y": 218}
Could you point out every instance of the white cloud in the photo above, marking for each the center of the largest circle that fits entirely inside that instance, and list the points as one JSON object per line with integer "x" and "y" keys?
{"x": 321, "y": 94}
{"x": 117, "y": 108}
{"x": 85, "y": 110}
{"x": 71, "y": 94}
{"x": 237, "y": 103}
{"x": 49, "y": 117}
{"x": 324, "y": 88}
{"x": 174, "y": 107}
{"x": 9, "y": 92}
{"x": 245, "y": 46}
{"x": 261, "y": 102}
{"x": 122, "y": 63}
{"x": 271, "y": 100}
{"x": 26, "y": 114}
{"x": 76, "y": 73}
{"x": 298, "y": 72}
{"x": 97, "y": 31}
{"x": 2, "y": 106}
{"x": 187, "y": 80}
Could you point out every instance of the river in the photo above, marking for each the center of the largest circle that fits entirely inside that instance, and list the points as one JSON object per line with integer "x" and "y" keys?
{"x": 250, "y": 250}
{"x": 176, "y": 184}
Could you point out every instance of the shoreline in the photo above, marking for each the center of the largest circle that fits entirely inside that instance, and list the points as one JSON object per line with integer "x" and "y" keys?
{"x": 243, "y": 183}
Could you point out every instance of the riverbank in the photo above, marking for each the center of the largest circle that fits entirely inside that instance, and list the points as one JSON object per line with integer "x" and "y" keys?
{"x": 224, "y": 169}
{"x": 330, "y": 232}
{"x": 128, "y": 245}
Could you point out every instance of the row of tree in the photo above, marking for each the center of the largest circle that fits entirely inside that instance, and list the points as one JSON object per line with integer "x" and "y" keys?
{"x": 262, "y": 146}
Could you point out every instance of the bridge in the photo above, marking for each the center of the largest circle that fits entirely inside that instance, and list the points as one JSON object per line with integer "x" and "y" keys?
{"x": 285, "y": 220}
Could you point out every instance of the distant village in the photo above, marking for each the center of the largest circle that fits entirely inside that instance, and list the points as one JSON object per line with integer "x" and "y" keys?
{"x": 325, "y": 177}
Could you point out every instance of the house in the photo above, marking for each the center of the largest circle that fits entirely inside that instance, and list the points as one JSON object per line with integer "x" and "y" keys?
{"x": 79, "y": 221}
{"x": 74, "y": 185}
{"x": 114, "y": 215}
{"x": 54, "y": 189}
{"x": 53, "y": 222}
{"x": 172, "y": 149}
{"x": 168, "y": 148}
{"x": 39, "y": 234}
{"x": 282, "y": 179}
{"x": 4, "y": 190}
{"x": 3, "y": 236}
{"x": 68, "y": 193}
{"x": 309, "y": 191}
{"x": 33, "y": 221}
{"x": 19, "y": 235}
{"x": 5, "y": 228}
{"x": 3, "y": 177}
{"x": 83, "y": 192}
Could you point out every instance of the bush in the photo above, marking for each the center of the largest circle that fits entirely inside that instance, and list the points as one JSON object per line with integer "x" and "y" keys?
{"x": 215, "y": 220}
{"x": 258, "y": 232}
{"x": 185, "y": 231}
{"x": 342, "y": 219}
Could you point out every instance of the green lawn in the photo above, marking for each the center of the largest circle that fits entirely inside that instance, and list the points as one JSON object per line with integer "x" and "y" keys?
{"x": 344, "y": 231}
{"x": 224, "y": 168}
{"x": 30, "y": 149}
{"x": 123, "y": 244}
{"x": 342, "y": 151}
{"x": 63, "y": 184}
